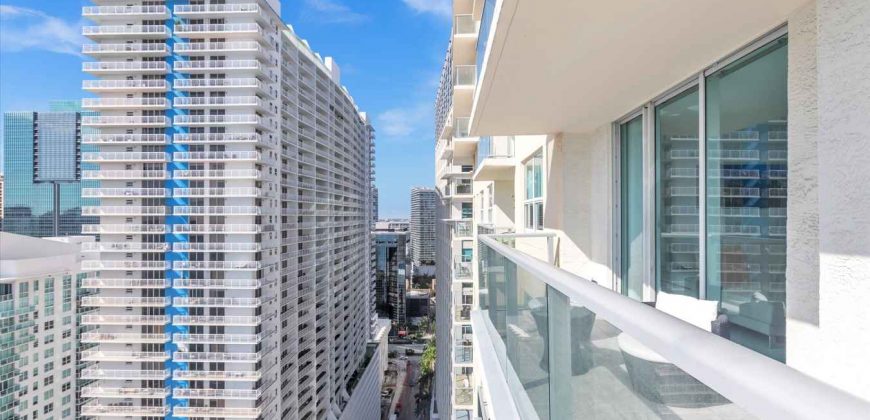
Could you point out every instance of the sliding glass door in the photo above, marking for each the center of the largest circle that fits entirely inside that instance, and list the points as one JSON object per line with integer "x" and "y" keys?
{"x": 746, "y": 158}
{"x": 676, "y": 197}
{"x": 631, "y": 202}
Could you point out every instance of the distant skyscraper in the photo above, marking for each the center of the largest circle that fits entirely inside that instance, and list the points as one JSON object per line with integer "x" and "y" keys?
{"x": 391, "y": 274}
{"x": 423, "y": 206}
{"x": 42, "y": 161}
{"x": 1, "y": 202}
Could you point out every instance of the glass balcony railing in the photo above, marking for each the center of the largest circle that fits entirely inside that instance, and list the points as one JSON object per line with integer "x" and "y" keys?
{"x": 464, "y": 25}
{"x": 465, "y": 75}
{"x": 501, "y": 147}
{"x": 560, "y": 347}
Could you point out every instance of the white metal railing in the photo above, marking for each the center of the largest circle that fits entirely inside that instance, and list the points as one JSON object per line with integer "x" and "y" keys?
{"x": 133, "y": 48}
{"x": 125, "y": 103}
{"x": 123, "y": 228}
{"x": 123, "y": 410}
{"x": 772, "y": 390}
{"x": 124, "y": 192}
{"x": 218, "y": 27}
{"x": 217, "y": 173}
{"x": 184, "y": 47}
{"x": 139, "y": 356}
{"x": 215, "y": 210}
{"x": 217, "y": 283}
{"x": 204, "y": 156}
{"x": 217, "y": 138}
{"x": 243, "y": 82}
{"x": 217, "y": 265}
{"x": 217, "y": 65}
{"x": 182, "y": 9}
{"x": 126, "y": 392}
{"x": 125, "y": 319}
{"x": 123, "y": 210}
{"x": 120, "y": 120}
{"x": 204, "y": 302}
{"x": 216, "y": 320}
{"x": 106, "y": 283}
{"x": 217, "y": 412}
{"x": 216, "y": 246}
{"x": 125, "y": 301}
{"x": 229, "y": 394}
{"x": 160, "y": 30}
{"x": 125, "y": 265}
{"x": 124, "y": 174}
{"x": 215, "y": 357}
{"x": 247, "y": 376}
{"x": 222, "y": 101}
{"x": 97, "y": 337}
{"x": 89, "y": 11}
{"x": 125, "y": 85}
{"x": 224, "y": 228}
{"x": 216, "y": 192}
{"x": 125, "y": 66}
{"x": 124, "y": 138}
{"x": 216, "y": 338}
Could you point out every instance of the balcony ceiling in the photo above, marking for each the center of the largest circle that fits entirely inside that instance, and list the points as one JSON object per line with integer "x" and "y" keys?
{"x": 573, "y": 65}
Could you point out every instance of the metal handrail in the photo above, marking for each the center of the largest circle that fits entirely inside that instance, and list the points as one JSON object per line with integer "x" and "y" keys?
{"x": 773, "y": 390}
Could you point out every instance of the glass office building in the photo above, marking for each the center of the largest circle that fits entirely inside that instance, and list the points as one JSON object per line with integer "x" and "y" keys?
{"x": 391, "y": 275}
{"x": 42, "y": 161}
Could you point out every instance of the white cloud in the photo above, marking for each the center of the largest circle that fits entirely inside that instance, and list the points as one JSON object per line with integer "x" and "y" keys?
{"x": 30, "y": 29}
{"x": 406, "y": 121}
{"x": 332, "y": 11}
{"x": 442, "y": 8}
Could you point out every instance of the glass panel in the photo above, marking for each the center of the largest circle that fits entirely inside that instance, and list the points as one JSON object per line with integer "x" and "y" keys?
{"x": 561, "y": 360}
{"x": 631, "y": 184}
{"x": 746, "y": 196}
{"x": 677, "y": 194}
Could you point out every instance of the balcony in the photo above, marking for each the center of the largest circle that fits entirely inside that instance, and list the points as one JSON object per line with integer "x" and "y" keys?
{"x": 123, "y": 211}
{"x": 126, "y": 31}
{"x": 124, "y": 320}
{"x": 216, "y": 357}
{"x": 224, "y": 228}
{"x": 124, "y": 49}
{"x": 216, "y": 192}
{"x": 125, "y": 192}
{"x": 203, "y": 302}
{"x": 216, "y": 137}
{"x": 214, "y": 412}
{"x": 125, "y": 85}
{"x": 125, "y": 265}
{"x": 226, "y": 376}
{"x": 115, "y": 374}
{"x": 123, "y": 356}
{"x": 219, "y": 30}
{"x": 495, "y": 159}
{"x": 462, "y": 229}
{"x": 207, "y": 66}
{"x": 103, "y": 392}
{"x": 96, "y": 410}
{"x": 131, "y": 338}
{"x": 217, "y": 174}
{"x": 207, "y": 120}
{"x": 216, "y": 210}
{"x": 125, "y": 121}
{"x": 217, "y": 394}
{"x": 127, "y": 228}
{"x": 125, "y": 67}
{"x": 217, "y": 265}
{"x": 549, "y": 339}
{"x": 217, "y": 156}
{"x": 106, "y": 246}
{"x": 216, "y": 10}
{"x": 464, "y": 27}
{"x": 225, "y": 321}
{"x": 186, "y": 48}
{"x": 125, "y": 103}
{"x": 216, "y": 338}
{"x": 220, "y": 102}
{"x": 100, "y": 13}
{"x": 217, "y": 284}
{"x": 123, "y": 139}
{"x": 104, "y": 283}
{"x": 123, "y": 302}
{"x": 217, "y": 84}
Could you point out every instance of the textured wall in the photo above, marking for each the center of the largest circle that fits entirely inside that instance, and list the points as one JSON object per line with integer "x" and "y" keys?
{"x": 833, "y": 346}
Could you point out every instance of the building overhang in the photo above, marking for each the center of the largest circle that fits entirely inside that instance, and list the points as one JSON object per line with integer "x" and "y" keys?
{"x": 573, "y": 65}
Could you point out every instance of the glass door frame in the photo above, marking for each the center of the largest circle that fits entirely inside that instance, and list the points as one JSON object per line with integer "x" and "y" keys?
{"x": 647, "y": 113}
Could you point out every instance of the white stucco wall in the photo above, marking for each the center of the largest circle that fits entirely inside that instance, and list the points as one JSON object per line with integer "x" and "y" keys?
{"x": 829, "y": 105}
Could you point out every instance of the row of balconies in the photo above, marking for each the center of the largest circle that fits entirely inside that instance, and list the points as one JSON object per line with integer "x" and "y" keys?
{"x": 143, "y": 338}
{"x": 126, "y": 392}
{"x": 217, "y": 284}
{"x": 122, "y": 283}
{"x": 164, "y": 157}
{"x": 216, "y": 357}
{"x": 97, "y": 410}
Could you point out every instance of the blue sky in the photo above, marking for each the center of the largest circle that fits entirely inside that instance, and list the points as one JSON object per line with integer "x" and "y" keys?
{"x": 389, "y": 52}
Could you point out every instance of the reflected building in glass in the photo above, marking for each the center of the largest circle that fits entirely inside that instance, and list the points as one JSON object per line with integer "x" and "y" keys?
{"x": 42, "y": 161}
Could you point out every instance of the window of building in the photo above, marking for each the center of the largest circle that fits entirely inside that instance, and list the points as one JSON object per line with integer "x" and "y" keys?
{"x": 718, "y": 150}
{"x": 534, "y": 195}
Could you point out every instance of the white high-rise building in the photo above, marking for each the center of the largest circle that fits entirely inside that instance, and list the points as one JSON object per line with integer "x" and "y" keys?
{"x": 422, "y": 225}
{"x": 235, "y": 214}
{"x": 39, "y": 355}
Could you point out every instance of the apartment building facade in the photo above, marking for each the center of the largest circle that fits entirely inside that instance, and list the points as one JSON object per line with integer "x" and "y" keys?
{"x": 235, "y": 207}
{"x": 38, "y": 323}
{"x": 422, "y": 225}
{"x": 42, "y": 158}
{"x": 688, "y": 167}
{"x": 454, "y": 249}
